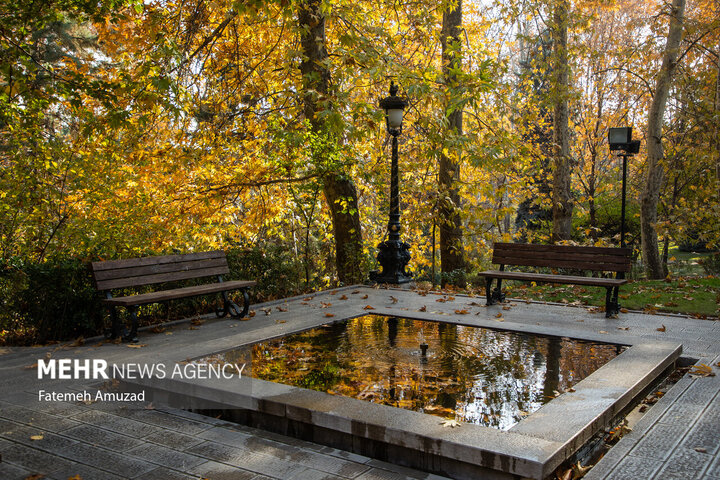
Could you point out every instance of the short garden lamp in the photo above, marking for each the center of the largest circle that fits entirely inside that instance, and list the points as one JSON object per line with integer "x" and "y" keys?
{"x": 393, "y": 255}
{"x": 620, "y": 139}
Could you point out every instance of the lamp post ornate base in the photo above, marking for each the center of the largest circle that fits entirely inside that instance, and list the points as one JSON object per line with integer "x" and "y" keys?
{"x": 393, "y": 256}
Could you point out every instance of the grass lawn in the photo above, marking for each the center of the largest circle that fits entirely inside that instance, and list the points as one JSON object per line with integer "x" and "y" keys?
{"x": 697, "y": 296}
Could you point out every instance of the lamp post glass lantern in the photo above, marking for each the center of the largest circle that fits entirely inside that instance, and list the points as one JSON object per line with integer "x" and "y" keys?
{"x": 393, "y": 254}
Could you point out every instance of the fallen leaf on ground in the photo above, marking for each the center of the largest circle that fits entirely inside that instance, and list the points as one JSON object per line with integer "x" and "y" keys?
{"x": 661, "y": 329}
{"x": 506, "y": 308}
{"x": 624, "y": 310}
{"x": 701, "y": 370}
{"x": 281, "y": 309}
{"x": 364, "y": 297}
{"x": 354, "y": 292}
{"x": 499, "y": 315}
{"x": 344, "y": 297}
{"x": 30, "y": 367}
{"x": 450, "y": 423}
{"x": 623, "y": 328}
{"x": 602, "y": 331}
{"x": 197, "y": 322}
{"x": 157, "y": 329}
{"x": 422, "y": 309}
{"x": 35, "y": 476}
{"x": 137, "y": 345}
{"x": 461, "y": 312}
{"x": 36, "y": 437}
{"x": 251, "y": 313}
{"x": 701, "y": 450}
{"x": 329, "y": 315}
{"x": 579, "y": 471}
{"x": 368, "y": 307}
{"x": 150, "y": 406}
{"x": 393, "y": 299}
{"x": 75, "y": 477}
{"x": 280, "y": 321}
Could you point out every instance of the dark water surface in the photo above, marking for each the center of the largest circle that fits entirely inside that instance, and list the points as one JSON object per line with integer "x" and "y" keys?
{"x": 470, "y": 374}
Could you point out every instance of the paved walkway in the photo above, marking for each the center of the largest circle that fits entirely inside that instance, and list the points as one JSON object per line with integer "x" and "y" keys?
{"x": 679, "y": 437}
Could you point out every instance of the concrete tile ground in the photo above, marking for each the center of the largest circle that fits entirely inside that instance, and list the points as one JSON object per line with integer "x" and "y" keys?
{"x": 679, "y": 437}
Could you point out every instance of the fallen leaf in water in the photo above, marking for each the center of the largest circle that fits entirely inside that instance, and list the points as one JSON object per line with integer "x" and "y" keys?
{"x": 661, "y": 329}
{"x": 422, "y": 309}
{"x": 36, "y": 437}
{"x": 461, "y": 312}
{"x": 137, "y": 345}
{"x": 450, "y": 423}
{"x": 329, "y": 315}
{"x": 368, "y": 307}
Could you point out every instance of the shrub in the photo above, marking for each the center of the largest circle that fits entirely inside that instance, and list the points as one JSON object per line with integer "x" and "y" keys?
{"x": 711, "y": 264}
{"x": 50, "y": 300}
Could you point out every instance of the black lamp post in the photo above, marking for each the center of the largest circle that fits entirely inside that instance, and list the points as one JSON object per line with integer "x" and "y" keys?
{"x": 620, "y": 139}
{"x": 393, "y": 254}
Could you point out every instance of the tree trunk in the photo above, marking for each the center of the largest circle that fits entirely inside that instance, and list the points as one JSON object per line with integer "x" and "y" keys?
{"x": 451, "y": 245}
{"x": 338, "y": 189}
{"x": 717, "y": 118}
{"x": 653, "y": 181}
{"x": 562, "y": 193}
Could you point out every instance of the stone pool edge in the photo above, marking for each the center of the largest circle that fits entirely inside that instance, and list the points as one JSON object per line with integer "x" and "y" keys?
{"x": 532, "y": 448}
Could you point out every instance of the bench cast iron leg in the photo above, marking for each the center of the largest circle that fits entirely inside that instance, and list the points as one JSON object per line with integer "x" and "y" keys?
{"x": 231, "y": 308}
{"x": 488, "y": 291}
{"x": 611, "y": 304}
{"x": 132, "y": 336}
{"x": 115, "y": 331}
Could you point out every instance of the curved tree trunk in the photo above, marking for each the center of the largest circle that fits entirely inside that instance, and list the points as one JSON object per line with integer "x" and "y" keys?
{"x": 451, "y": 245}
{"x": 562, "y": 193}
{"x": 338, "y": 188}
{"x": 653, "y": 181}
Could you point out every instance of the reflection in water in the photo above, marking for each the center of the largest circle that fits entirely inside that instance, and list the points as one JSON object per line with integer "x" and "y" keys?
{"x": 471, "y": 374}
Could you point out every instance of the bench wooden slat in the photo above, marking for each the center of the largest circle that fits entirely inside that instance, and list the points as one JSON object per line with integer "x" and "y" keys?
{"x": 548, "y": 278}
{"x": 564, "y": 263}
{"x": 161, "y": 278}
{"x": 164, "y": 295}
{"x": 143, "y": 261}
{"x": 563, "y": 248}
{"x": 103, "y": 275}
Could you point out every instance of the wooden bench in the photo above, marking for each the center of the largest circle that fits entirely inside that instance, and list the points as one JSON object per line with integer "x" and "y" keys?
{"x": 134, "y": 272}
{"x": 595, "y": 259}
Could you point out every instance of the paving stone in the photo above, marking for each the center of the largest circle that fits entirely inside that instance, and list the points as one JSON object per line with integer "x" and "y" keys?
{"x": 224, "y": 435}
{"x": 34, "y": 460}
{"x": 175, "y": 440}
{"x": 12, "y": 472}
{"x": 163, "y": 473}
{"x": 632, "y": 467}
{"x": 681, "y": 413}
{"x": 684, "y": 461}
{"x": 658, "y": 441}
{"x": 103, "y": 438}
{"x": 85, "y": 472}
{"x": 172, "y": 422}
{"x": 36, "y": 418}
{"x": 117, "y": 423}
{"x": 704, "y": 434}
{"x": 222, "y": 471}
{"x": 701, "y": 390}
{"x": 247, "y": 459}
{"x": 383, "y": 470}
{"x": 107, "y": 460}
{"x": 714, "y": 469}
{"x": 165, "y": 456}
